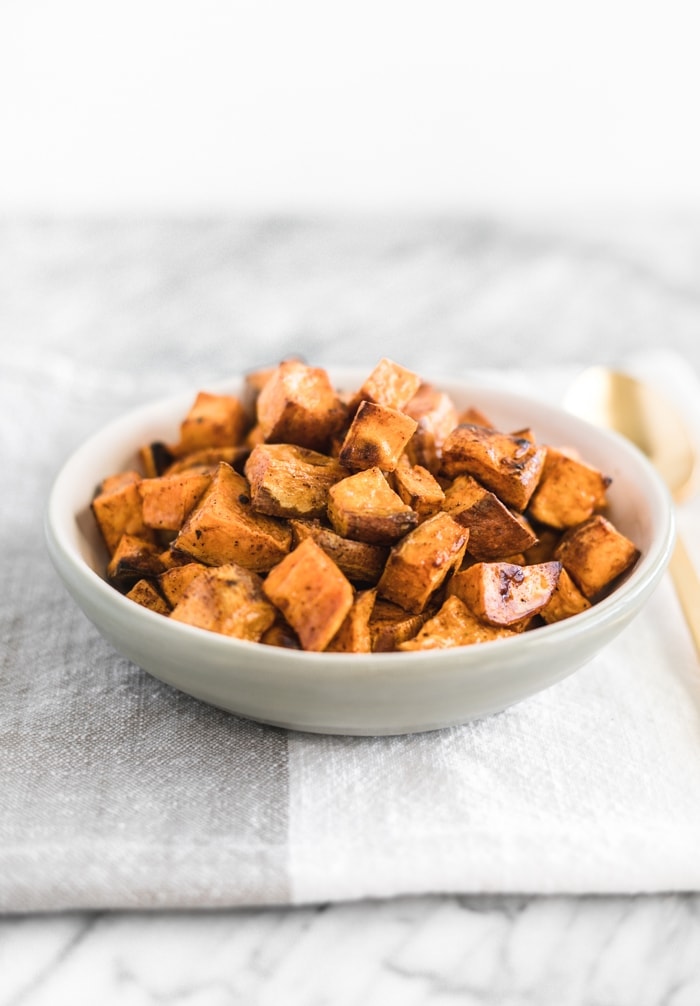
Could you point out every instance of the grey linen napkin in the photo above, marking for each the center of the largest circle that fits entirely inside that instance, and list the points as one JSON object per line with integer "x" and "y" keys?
{"x": 117, "y": 791}
{"x": 114, "y": 789}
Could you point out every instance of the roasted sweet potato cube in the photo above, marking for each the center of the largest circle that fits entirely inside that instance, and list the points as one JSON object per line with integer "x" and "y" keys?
{"x": 365, "y": 507}
{"x": 509, "y": 466}
{"x": 518, "y": 559}
{"x": 155, "y": 458}
{"x": 134, "y": 558}
{"x": 354, "y": 635}
{"x": 207, "y": 459}
{"x": 212, "y": 421}
{"x": 290, "y": 481}
{"x": 418, "y": 488}
{"x": 566, "y": 600}
{"x": 170, "y": 560}
{"x": 118, "y": 511}
{"x": 495, "y": 532}
{"x": 543, "y": 549}
{"x": 173, "y": 582}
{"x": 298, "y": 405}
{"x": 388, "y": 384}
{"x": 360, "y": 561}
{"x": 420, "y": 562}
{"x": 281, "y": 634}
{"x": 390, "y": 624}
{"x": 253, "y": 383}
{"x": 255, "y": 436}
{"x": 595, "y": 554}
{"x": 223, "y": 527}
{"x": 312, "y": 594}
{"x": 122, "y": 480}
{"x": 453, "y": 625}
{"x": 376, "y": 438}
{"x": 503, "y": 593}
{"x": 436, "y": 416}
{"x": 524, "y": 433}
{"x": 228, "y": 599}
{"x": 145, "y": 594}
{"x": 476, "y": 416}
{"x": 167, "y": 500}
{"x": 568, "y": 491}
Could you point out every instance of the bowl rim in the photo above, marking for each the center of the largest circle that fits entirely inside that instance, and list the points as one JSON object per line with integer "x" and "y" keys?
{"x": 61, "y": 535}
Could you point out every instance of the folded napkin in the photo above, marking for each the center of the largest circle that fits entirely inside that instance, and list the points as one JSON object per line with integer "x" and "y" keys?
{"x": 116, "y": 791}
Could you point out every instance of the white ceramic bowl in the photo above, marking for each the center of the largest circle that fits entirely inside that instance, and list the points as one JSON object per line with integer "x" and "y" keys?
{"x": 367, "y": 694}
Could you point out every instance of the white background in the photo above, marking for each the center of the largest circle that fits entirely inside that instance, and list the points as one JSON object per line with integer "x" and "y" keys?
{"x": 373, "y": 105}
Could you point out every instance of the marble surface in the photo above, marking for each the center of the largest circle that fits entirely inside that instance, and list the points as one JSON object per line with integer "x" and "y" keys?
{"x": 570, "y": 290}
{"x": 429, "y": 951}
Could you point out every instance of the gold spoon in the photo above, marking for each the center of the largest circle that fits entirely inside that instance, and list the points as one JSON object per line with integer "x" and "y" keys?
{"x": 620, "y": 402}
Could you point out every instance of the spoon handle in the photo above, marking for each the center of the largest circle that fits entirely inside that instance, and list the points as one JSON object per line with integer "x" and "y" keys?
{"x": 687, "y": 584}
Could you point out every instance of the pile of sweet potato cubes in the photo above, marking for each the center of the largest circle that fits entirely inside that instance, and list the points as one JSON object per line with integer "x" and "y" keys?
{"x": 369, "y": 519}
